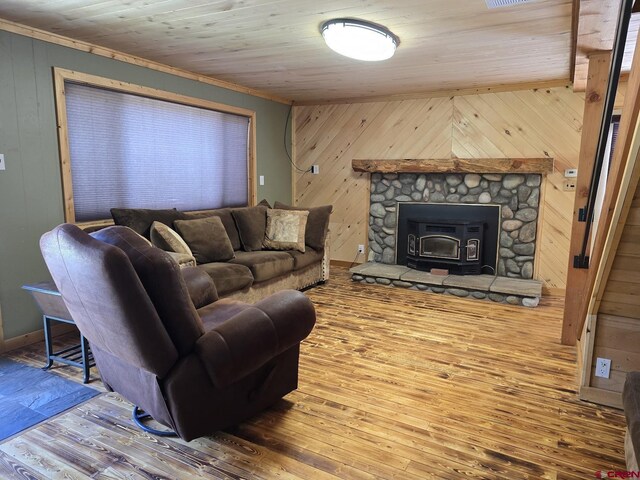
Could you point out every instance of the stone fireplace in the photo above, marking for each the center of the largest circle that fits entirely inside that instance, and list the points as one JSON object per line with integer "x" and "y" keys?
{"x": 515, "y": 196}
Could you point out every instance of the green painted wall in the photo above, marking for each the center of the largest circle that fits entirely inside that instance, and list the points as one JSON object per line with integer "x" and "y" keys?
{"x": 30, "y": 188}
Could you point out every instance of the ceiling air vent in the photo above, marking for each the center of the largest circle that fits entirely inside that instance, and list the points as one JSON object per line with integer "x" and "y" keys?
{"x": 504, "y": 3}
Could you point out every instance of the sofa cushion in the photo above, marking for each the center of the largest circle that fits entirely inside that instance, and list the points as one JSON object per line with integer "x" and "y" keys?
{"x": 228, "y": 277}
{"x": 317, "y": 223}
{"x": 207, "y": 239}
{"x": 265, "y": 265}
{"x": 227, "y": 220}
{"x": 167, "y": 239}
{"x": 251, "y": 223}
{"x": 140, "y": 219}
{"x": 285, "y": 230}
{"x": 302, "y": 260}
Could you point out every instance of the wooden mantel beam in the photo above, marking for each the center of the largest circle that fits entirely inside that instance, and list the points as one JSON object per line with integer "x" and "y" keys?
{"x": 456, "y": 165}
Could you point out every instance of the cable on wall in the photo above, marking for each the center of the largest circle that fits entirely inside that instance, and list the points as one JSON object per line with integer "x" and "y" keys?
{"x": 286, "y": 149}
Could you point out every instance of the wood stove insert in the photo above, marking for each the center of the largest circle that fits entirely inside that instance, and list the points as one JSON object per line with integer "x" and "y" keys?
{"x": 460, "y": 238}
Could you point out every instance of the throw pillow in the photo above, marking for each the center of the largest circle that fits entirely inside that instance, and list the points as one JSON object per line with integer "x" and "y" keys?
{"x": 317, "y": 224}
{"x": 251, "y": 223}
{"x": 285, "y": 230}
{"x": 140, "y": 219}
{"x": 167, "y": 239}
{"x": 227, "y": 221}
{"x": 207, "y": 239}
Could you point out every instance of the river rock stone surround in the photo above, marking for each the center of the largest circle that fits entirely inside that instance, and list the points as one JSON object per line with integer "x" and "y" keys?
{"x": 518, "y": 195}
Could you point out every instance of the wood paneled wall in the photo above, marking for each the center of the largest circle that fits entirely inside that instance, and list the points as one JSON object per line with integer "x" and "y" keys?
{"x": 526, "y": 123}
{"x": 617, "y": 334}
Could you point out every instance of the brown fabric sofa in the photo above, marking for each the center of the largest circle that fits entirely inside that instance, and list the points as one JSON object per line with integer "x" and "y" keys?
{"x": 254, "y": 272}
{"x": 194, "y": 371}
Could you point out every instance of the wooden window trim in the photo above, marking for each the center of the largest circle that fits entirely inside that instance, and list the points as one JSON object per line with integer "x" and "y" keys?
{"x": 62, "y": 75}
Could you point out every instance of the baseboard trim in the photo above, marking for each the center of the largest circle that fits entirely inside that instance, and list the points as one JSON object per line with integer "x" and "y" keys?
{"x": 553, "y": 291}
{"x": 34, "y": 337}
{"x": 342, "y": 263}
{"x": 601, "y": 397}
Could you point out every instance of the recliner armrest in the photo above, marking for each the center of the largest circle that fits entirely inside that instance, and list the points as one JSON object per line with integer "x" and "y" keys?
{"x": 251, "y": 338}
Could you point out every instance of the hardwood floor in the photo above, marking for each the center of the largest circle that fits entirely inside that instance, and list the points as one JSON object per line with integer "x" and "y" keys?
{"x": 393, "y": 384}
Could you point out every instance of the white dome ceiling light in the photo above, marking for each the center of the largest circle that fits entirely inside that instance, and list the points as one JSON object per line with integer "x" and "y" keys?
{"x": 359, "y": 40}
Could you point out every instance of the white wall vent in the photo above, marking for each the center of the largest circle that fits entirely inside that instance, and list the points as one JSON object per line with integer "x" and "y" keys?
{"x": 504, "y": 3}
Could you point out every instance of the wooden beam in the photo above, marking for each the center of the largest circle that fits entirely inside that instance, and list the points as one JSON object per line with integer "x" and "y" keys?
{"x": 575, "y": 19}
{"x": 593, "y": 107}
{"x": 456, "y": 165}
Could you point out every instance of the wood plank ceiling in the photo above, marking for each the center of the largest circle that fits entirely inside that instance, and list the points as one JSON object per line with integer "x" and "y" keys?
{"x": 275, "y": 45}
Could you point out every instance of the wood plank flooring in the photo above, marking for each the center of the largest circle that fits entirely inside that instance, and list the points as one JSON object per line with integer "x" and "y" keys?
{"x": 393, "y": 384}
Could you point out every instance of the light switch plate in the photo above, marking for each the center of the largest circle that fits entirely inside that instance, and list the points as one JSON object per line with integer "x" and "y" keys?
{"x": 261, "y": 179}
{"x": 2, "y": 164}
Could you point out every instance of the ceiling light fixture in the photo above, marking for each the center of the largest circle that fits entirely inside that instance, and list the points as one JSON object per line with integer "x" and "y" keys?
{"x": 358, "y": 39}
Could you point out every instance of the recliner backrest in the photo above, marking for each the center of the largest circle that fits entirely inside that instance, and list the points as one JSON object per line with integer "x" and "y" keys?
{"x": 106, "y": 299}
{"x": 161, "y": 277}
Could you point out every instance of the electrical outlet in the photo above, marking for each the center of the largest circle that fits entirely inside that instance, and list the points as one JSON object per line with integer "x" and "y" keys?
{"x": 360, "y": 248}
{"x": 571, "y": 172}
{"x": 315, "y": 169}
{"x": 603, "y": 367}
{"x": 261, "y": 179}
{"x": 569, "y": 186}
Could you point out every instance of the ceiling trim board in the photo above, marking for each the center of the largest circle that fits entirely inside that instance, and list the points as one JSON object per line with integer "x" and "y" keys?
{"x": 575, "y": 21}
{"x": 54, "y": 38}
{"x": 441, "y": 93}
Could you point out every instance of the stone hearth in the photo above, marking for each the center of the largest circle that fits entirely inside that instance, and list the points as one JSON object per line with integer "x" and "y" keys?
{"x": 483, "y": 287}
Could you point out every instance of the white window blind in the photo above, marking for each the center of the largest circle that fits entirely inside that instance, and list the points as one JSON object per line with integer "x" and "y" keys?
{"x": 129, "y": 151}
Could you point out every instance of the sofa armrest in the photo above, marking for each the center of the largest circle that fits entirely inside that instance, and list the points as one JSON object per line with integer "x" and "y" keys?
{"x": 326, "y": 257}
{"x": 200, "y": 286}
{"x": 182, "y": 259}
{"x": 252, "y": 337}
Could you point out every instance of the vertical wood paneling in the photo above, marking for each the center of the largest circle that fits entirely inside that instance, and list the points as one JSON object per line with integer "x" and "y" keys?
{"x": 527, "y": 123}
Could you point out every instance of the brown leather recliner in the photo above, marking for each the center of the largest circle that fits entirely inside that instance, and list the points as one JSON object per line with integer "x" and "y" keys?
{"x": 194, "y": 371}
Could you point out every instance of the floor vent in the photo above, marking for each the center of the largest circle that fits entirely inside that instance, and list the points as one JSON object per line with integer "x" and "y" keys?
{"x": 504, "y": 3}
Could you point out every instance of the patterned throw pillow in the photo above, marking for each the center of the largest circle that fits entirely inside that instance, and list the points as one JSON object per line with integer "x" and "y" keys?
{"x": 317, "y": 223}
{"x": 285, "y": 229}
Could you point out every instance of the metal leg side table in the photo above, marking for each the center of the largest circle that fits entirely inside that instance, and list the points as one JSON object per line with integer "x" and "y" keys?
{"x": 53, "y": 309}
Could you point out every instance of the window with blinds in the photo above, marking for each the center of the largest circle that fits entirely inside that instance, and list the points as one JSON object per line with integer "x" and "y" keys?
{"x": 132, "y": 151}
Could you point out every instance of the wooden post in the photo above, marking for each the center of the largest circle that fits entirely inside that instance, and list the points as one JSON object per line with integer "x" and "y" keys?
{"x": 593, "y": 107}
